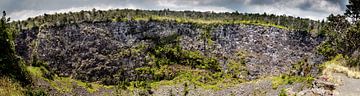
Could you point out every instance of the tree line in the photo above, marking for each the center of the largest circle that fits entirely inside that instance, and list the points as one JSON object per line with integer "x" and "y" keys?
{"x": 116, "y": 15}
{"x": 342, "y": 32}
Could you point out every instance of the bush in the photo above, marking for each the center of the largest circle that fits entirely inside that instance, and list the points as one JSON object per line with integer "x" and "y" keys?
{"x": 10, "y": 64}
{"x": 327, "y": 49}
{"x": 10, "y": 87}
{"x": 352, "y": 41}
{"x": 36, "y": 92}
{"x": 173, "y": 54}
{"x": 354, "y": 62}
{"x": 283, "y": 92}
{"x": 287, "y": 79}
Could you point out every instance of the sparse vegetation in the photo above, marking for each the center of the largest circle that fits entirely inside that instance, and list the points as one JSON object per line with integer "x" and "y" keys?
{"x": 10, "y": 64}
{"x": 338, "y": 64}
{"x": 286, "y": 79}
{"x": 121, "y": 15}
{"x": 10, "y": 88}
{"x": 283, "y": 92}
{"x": 64, "y": 84}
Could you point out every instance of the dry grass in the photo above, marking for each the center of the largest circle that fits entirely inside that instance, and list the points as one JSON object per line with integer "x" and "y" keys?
{"x": 10, "y": 88}
{"x": 65, "y": 84}
{"x": 343, "y": 69}
{"x": 337, "y": 66}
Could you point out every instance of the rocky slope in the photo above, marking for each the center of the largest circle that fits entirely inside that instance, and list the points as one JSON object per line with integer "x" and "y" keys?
{"x": 92, "y": 52}
{"x": 112, "y": 52}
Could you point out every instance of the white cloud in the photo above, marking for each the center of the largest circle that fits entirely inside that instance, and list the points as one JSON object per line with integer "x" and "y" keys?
{"x": 317, "y": 11}
{"x": 176, "y": 6}
{"x": 24, "y": 14}
{"x": 314, "y": 9}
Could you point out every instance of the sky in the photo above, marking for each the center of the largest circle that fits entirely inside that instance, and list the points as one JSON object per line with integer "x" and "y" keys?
{"x": 313, "y": 9}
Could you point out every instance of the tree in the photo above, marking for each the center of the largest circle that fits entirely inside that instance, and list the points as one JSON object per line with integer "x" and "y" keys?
{"x": 352, "y": 38}
{"x": 9, "y": 63}
{"x": 335, "y": 30}
{"x": 353, "y": 10}
{"x": 337, "y": 23}
{"x": 6, "y": 47}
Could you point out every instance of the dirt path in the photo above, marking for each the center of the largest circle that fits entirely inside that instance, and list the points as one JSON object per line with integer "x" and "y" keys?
{"x": 348, "y": 86}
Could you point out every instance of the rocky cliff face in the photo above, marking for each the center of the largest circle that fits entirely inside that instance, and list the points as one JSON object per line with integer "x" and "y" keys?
{"x": 112, "y": 51}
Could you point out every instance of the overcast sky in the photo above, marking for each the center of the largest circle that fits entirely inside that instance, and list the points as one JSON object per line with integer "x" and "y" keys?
{"x": 313, "y": 9}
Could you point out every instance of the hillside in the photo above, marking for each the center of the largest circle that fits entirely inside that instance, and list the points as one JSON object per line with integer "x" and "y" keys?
{"x": 150, "y": 51}
{"x": 142, "y": 52}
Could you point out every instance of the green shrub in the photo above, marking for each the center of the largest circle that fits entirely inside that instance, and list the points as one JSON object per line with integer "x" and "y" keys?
{"x": 173, "y": 54}
{"x": 287, "y": 79}
{"x": 354, "y": 62}
{"x": 327, "y": 49}
{"x": 10, "y": 64}
{"x": 10, "y": 87}
{"x": 36, "y": 92}
{"x": 283, "y": 92}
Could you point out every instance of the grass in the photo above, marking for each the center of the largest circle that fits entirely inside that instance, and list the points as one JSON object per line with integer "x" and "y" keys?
{"x": 10, "y": 88}
{"x": 326, "y": 49}
{"x": 204, "y": 21}
{"x": 64, "y": 84}
{"x": 259, "y": 23}
{"x": 198, "y": 77}
{"x": 171, "y": 54}
{"x": 194, "y": 69}
{"x": 35, "y": 71}
{"x": 286, "y": 79}
{"x": 342, "y": 69}
{"x": 283, "y": 92}
{"x": 337, "y": 65}
{"x": 215, "y": 21}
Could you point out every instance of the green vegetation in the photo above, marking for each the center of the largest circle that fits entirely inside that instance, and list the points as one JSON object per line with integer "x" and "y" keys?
{"x": 124, "y": 15}
{"x": 353, "y": 10}
{"x": 335, "y": 32}
{"x": 342, "y": 36}
{"x": 204, "y": 22}
{"x": 299, "y": 74}
{"x": 327, "y": 50}
{"x": 283, "y": 92}
{"x": 172, "y": 65}
{"x": 352, "y": 46}
{"x": 201, "y": 78}
{"x": 287, "y": 79}
{"x": 169, "y": 63}
{"x": 339, "y": 65}
{"x": 14, "y": 77}
{"x": 237, "y": 68}
{"x": 173, "y": 54}
{"x": 63, "y": 84}
{"x": 10, "y": 65}
{"x": 302, "y": 68}
{"x": 10, "y": 88}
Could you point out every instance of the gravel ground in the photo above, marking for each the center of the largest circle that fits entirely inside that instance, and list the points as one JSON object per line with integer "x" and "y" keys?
{"x": 348, "y": 86}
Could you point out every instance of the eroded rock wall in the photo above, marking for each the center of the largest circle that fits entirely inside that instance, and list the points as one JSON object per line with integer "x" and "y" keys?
{"x": 110, "y": 51}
